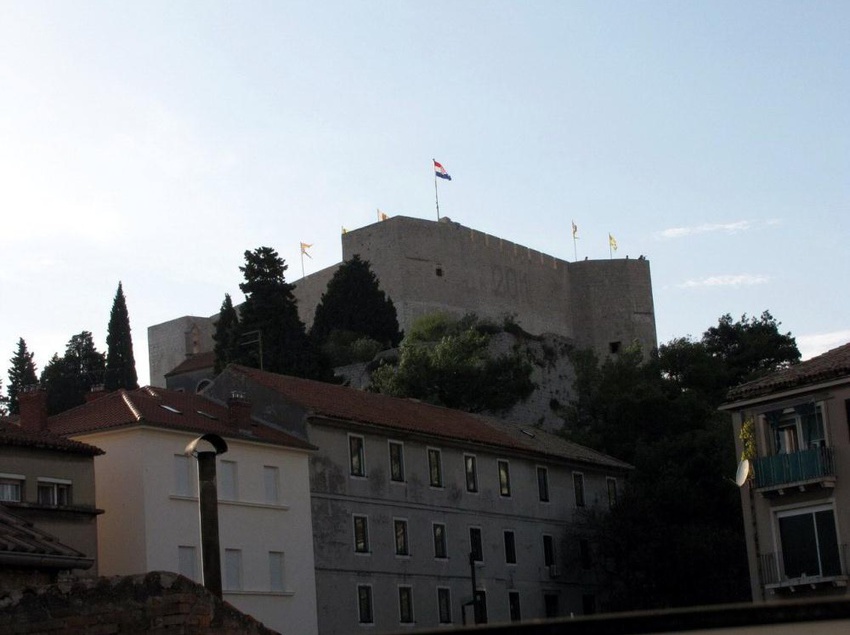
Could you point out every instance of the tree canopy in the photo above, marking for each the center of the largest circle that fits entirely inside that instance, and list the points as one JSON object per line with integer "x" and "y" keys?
{"x": 227, "y": 334}
{"x": 120, "y": 363}
{"x": 354, "y": 303}
{"x": 67, "y": 379}
{"x": 22, "y": 373}
{"x": 447, "y": 362}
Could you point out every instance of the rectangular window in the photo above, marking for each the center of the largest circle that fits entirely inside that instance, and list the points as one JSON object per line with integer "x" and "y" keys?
{"x": 586, "y": 555}
{"x": 402, "y": 546}
{"x": 361, "y": 534}
{"x": 396, "y": 462}
{"x": 183, "y": 475}
{"x": 357, "y": 454}
{"x": 54, "y": 492}
{"x": 277, "y": 581}
{"x": 504, "y": 478}
{"x": 233, "y": 569}
{"x": 228, "y": 485}
{"x": 809, "y": 543}
{"x": 588, "y": 604}
{"x": 550, "y": 603}
{"x": 480, "y": 607}
{"x": 510, "y": 548}
{"x": 444, "y": 605}
{"x": 476, "y": 547}
{"x": 440, "y": 550}
{"x": 11, "y": 488}
{"x": 271, "y": 484}
{"x": 543, "y": 484}
{"x": 405, "y": 604}
{"x": 435, "y": 467}
{"x": 187, "y": 562}
{"x": 548, "y": 550}
{"x": 578, "y": 486}
{"x": 612, "y": 491}
{"x": 364, "y": 603}
{"x": 513, "y": 606}
{"x": 471, "y": 473}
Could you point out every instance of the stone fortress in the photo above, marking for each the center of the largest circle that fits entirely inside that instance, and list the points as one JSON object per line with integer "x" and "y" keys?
{"x": 427, "y": 266}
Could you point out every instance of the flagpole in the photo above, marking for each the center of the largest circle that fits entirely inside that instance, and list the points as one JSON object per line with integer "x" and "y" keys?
{"x": 302, "y": 262}
{"x": 436, "y": 196}
{"x": 575, "y": 249}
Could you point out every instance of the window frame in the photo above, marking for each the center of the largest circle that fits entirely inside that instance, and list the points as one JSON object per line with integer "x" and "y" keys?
{"x": 405, "y": 591}
{"x": 543, "y": 495}
{"x": 356, "y": 471}
{"x": 504, "y": 477}
{"x": 441, "y": 542}
{"x": 578, "y": 489}
{"x": 12, "y": 481}
{"x": 435, "y": 460}
{"x": 549, "y": 557}
{"x": 183, "y": 476}
{"x": 223, "y": 494}
{"x": 60, "y": 491}
{"x": 280, "y": 557}
{"x": 402, "y": 549}
{"x": 514, "y": 605}
{"x": 192, "y": 550}
{"x": 365, "y": 526}
{"x": 444, "y": 618}
{"x": 401, "y": 476}
{"x": 369, "y": 617}
{"x": 812, "y": 511}
{"x": 510, "y": 546}
{"x": 471, "y": 461}
{"x": 271, "y": 484}
{"x": 476, "y": 545}
{"x": 235, "y": 558}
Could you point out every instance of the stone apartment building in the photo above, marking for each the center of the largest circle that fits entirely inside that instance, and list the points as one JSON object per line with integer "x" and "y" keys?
{"x": 796, "y": 480}
{"x": 426, "y": 266}
{"x": 425, "y": 516}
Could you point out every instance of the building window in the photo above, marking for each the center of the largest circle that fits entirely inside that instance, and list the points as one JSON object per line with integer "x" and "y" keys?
{"x": 543, "y": 484}
{"x": 405, "y": 604}
{"x": 578, "y": 486}
{"x": 444, "y": 605}
{"x": 476, "y": 547}
{"x": 504, "y": 478}
{"x": 11, "y": 488}
{"x": 548, "y": 550}
{"x": 277, "y": 581}
{"x": 510, "y": 548}
{"x": 435, "y": 467}
{"x": 440, "y": 550}
{"x": 357, "y": 453}
{"x": 361, "y": 534}
{"x": 187, "y": 562}
{"x": 271, "y": 482}
{"x": 550, "y": 604}
{"x": 183, "y": 475}
{"x": 54, "y": 492}
{"x": 513, "y": 606}
{"x": 614, "y": 347}
{"x": 796, "y": 429}
{"x": 612, "y": 491}
{"x": 809, "y": 542}
{"x": 471, "y": 473}
{"x": 364, "y": 603}
{"x": 396, "y": 462}
{"x": 233, "y": 569}
{"x": 585, "y": 553}
{"x": 402, "y": 546}
{"x": 588, "y": 604}
{"x": 480, "y": 607}
{"x": 228, "y": 485}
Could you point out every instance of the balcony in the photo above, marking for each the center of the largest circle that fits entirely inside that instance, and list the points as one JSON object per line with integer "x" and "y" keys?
{"x": 827, "y": 574}
{"x": 814, "y": 467}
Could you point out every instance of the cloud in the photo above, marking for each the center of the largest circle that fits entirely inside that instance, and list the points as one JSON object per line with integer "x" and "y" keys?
{"x": 738, "y": 280}
{"x": 817, "y": 343}
{"x": 705, "y": 228}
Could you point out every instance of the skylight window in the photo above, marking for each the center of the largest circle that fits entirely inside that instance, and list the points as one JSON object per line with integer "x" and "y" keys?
{"x": 206, "y": 414}
{"x": 170, "y": 409}
{"x": 527, "y": 432}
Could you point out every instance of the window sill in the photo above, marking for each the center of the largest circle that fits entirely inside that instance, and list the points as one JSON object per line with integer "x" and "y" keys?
{"x": 236, "y": 503}
{"x": 813, "y": 582}
{"x": 259, "y": 593}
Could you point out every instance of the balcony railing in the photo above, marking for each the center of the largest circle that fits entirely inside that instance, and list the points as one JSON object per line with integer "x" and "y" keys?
{"x": 812, "y": 465}
{"x": 774, "y": 576}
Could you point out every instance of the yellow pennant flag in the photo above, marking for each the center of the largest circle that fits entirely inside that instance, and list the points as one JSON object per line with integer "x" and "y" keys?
{"x": 304, "y": 248}
{"x": 612, "y": 242}
{"x": 344, "y": 230}
{"x": 575, "y": 230}
{"x": 382, "y": 216}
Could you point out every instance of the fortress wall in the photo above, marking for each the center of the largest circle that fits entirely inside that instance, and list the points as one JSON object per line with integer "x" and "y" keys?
{"x": 170, "y": 343}
{"x": 426, "y": 267}
{"x": 613, "y": 303}
{"x": 308, "y": 292}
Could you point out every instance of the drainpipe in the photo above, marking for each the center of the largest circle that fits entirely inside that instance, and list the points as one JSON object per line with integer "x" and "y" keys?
{"x": 208, "y": 504}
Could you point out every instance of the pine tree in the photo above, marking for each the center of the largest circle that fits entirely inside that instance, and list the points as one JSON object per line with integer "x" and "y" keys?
{"x": 354, "y": 303}
{"x": 120, "y": 363}
{"x": 67, "y": 379}
{"x": 227, "y": 334}
{"x": 21, "y": 374}
{"x": 270, "y": 321}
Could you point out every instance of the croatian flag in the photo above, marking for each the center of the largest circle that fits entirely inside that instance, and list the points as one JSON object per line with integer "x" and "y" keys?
{"x": 440, "y": 171}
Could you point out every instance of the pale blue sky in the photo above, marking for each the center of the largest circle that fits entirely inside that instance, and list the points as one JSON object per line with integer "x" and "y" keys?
{"x": 154, "y": 142}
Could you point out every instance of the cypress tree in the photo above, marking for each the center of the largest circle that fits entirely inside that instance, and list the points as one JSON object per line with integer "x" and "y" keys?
{"x": 21, "y": 374}
{"x": 226, "y": 336}
{"x": 120, "y": 363}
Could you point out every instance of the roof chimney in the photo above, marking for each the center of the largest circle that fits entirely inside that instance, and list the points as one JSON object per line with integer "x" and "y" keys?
{"x": 97, "y": 391}
{"x": 239, "y": 410}
{"x": 32, "y": 402}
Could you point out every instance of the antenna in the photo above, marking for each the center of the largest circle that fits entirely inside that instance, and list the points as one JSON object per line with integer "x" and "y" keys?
{"x": 743, "y": 473}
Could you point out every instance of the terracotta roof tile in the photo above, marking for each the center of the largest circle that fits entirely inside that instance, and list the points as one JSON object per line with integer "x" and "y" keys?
{"x": 19, "y": 537}
{"x": 348, "y": 404}
{"x": 833, "y": 364}
{"x": 199, "y": 361}
{"x": 164, "y": 408}
{"x": 13, "y": 434}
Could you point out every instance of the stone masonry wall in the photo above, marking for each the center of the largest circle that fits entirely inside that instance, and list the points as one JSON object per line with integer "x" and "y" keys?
{"x": 158, "y": 603}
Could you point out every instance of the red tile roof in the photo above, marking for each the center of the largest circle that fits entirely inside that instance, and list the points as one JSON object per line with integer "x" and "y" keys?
{"x": 13, "y": 434}
{"x": 164, "y": 408}
{"x": 20, "y": 539}
{"x": 833, "y": 364}
{"x": 199, "y": 361}
{"x": 348, "y": 404}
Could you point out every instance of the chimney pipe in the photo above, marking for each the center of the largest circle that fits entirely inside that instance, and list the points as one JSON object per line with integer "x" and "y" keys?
{"x": 239, "y": 411}
{"x": 32, "y": 403}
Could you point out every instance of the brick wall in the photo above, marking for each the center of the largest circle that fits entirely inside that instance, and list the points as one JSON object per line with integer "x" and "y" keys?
{"x": 159, "y": 603}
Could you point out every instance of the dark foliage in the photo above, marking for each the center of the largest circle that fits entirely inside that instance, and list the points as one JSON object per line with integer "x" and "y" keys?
{"x": 67, "y": 379}
{"x": 227, "y": 335}
{"x": 120, "y": 362}
{"x": 21, "y": 374}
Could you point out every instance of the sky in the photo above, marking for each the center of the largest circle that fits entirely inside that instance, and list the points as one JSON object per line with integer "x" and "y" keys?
{"x": 153, "y": 143}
